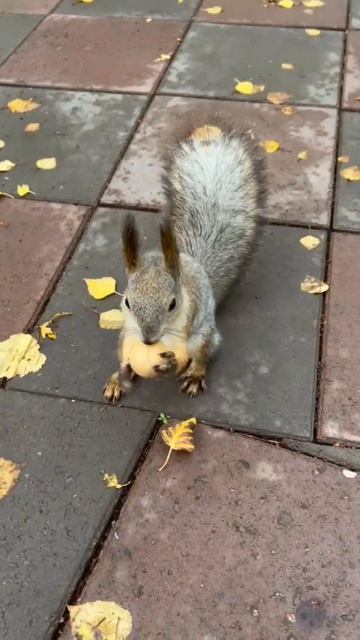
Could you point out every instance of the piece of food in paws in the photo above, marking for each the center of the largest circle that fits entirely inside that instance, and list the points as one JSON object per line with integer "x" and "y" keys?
{"x": 143, "y": 358}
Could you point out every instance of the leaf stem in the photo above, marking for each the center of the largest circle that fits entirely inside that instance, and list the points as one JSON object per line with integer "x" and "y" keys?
{"x": 166, "y": 461}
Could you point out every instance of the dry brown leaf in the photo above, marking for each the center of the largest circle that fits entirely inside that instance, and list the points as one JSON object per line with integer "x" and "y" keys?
{"x": 179, "y": 438}
{"x": 309, "y": 242}
{"x": 100, "y": 288}
{"x": 32, "y": 127}
{"x": 111, "y": 319}
{"x": 162, "y": 57}
{"x": 214, "y": 11}
{"x": 112, "y": 482}
{"x": 313, "y": 33}
{"x": 352, "y": 174}
{"x": 286, "y": 4}
{"x": 313, "y": 285}
{"x": 247, "y": 88}
{"x": 278, "y": 97}
{"x": 288, "y": 66}
{"x": 303, "y": 155}
{"x": 19, "y": 355}
{"x": 288, "y": 111}
{"x": 107, "y": 620}
{"x": 2, "y": 144}
{"x": 46, "y": 163}
{"x": 313, "y": 4}
{"x": 6, "y": 165}
{"x": 9, "y": 475}
{"x": 22, "y": 106}
{"x": 343, "y": 159}
{"x": 45, "y": 329}
{"x": 270, "y": 146}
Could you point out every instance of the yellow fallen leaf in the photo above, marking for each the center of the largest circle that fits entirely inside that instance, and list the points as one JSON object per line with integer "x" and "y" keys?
{"x": 46, "y": 331}
{"x": 7, "y": 165}
{"x": 148, "y": 20}
{"x": 9, "y": 475}
{"x": 270, "y": 146}
{"x": 162, "y": 57}
{"x": 179, "y": 438}
{"x": 23, "y": 190}
{"x": 2, "y": 144}
{"x": 214, "y": 11}
{"x": 46, "y": 163}
{"x": 112, "y": 481}
{"x": 19, "y": 355}
{"x": 100, "y": 288}
{"x": 309, "y": 242}
{"x": 32, "y": 127}
{"x": 248, "y": 88}
{"x": 303, "y": 155}
{"x": 309, "y": 12}
{"x": 313, "y": 4}
{"x": 313, "y": 32}
{"x": 343, "y": 159}
{"x": 286, "y": 4}
{"x": 86, "y": 1}
{"x": 278, "y": 97}
{"x": 7, "y": 195}
{"x": 180, "y": 1}
{"x": 313, "y": 285}
{"x": 349, "y": 474}
{"x": 351, "y": 173}
{"x": 107, "y": 620}
{"x": 288, "y": 111}
{"x": 288, "y": 66}
{"x": 112, "y": 319}
{"x": 22, "y": 106}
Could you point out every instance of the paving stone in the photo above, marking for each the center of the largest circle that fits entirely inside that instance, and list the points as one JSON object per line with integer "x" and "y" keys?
{"x": 84, "y": 131}
{"x": 347, "y": 199}
{"x": 53, "y": 518}
{"x": 343, "y": 456}
{"x": 35, "y": 238}
{"x": 355, "y": 14}
{"x": 339, "y": 419}
{"x": 255, "y": 53}
{"x": 332, "y": 15}
{"x": 82, "y": 53}
{"x": 263, "y": 377}
{"x": 13, "y": 29}
{"x": 27, "y": 6}
{"x": 131, "y": 8}
{"x": 233, "y": 540}
{"x": 352, "y": 72}
{"x": 292, "y": 184}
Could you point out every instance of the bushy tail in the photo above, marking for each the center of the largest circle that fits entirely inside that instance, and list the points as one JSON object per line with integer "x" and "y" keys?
{"x": 216, "y": 187}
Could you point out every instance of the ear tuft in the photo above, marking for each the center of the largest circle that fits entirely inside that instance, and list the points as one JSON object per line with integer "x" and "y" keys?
{"x": 130, "y": 238}
{"x": 169, "y": 247}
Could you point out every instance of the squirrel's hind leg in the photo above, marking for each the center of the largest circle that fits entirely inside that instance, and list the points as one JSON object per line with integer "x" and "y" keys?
{"x": 202, "y": 349}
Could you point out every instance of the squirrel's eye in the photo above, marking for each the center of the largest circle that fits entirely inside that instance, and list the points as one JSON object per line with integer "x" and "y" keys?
{"x": 127, "y": 303}
{"x": 172, "y": 304}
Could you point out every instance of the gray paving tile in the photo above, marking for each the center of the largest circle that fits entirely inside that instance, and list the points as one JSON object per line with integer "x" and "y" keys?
{"x": 263, "y": 377}
{"x": 226, "y": 53}
{"x": 13, "y": 29}
{"x": 131, "y": 8}
{"x": 292, "y": 184}
{"x": 85, "y": 132}
{"x": 354, "y": 14}
{"x": 239, "y": 540}
{"x": 347, "y": 195}
{"x": 351, "y": 93}
{"x": 60, "y": 506}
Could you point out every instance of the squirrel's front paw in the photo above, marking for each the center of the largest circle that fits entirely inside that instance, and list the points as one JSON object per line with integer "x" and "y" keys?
{"x": 113, "y": 390}
{"x": 192, "y": 384}
{"x": 168, "y": 363}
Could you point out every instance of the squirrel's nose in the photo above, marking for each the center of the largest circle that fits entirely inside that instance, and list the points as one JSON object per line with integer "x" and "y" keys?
{"x": 147, "y": 341}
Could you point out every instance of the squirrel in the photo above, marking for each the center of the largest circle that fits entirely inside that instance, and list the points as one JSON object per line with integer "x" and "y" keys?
{"x": 215, "y": 186}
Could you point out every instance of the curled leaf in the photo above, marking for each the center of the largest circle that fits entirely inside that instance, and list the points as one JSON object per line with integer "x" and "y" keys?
{"x": 112, "y": 482}
{"x": 179, "y": 438}
{"x": 22, "y": 106}
{"x": 100, "y": 288}
{"x": 9, "y": 475}
{"x": 278, "y": 97}
{"x": 288, "y": 111}
{"x": 19, "y": 355}
{"x": 313, "y": 285}
{"x": 2, "y": 144}
{"x": 23, "y": 190}
{"x": 351, "y": 173}
{"x": 247, "y": 88}
{"x": 214, "y": 11}
{"x": 6, "y": 165}
{"x": 313, "y": 4}
{"x": 288, "y": 66}
{"x": 46, "y": 163}
{"x": 286, "y": 4}
{"x": 162, "y": 57}
{"x": 100, "y": 618}
{"x": 270, "y": 146}
{"x": 313, "y": 33}
{"x": 32, "y": 127}
{"x": 349, "y": 474}
{"x": 112, "y": 319}
{"x": 343, "y": 159}
{"x": 46, "y": 330}
{"x": 303, "y": 155}
{"x": 309, "y": 242}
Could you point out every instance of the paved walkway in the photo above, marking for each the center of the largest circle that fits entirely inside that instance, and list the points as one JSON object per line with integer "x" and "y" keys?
{"x": 242, "y": 539}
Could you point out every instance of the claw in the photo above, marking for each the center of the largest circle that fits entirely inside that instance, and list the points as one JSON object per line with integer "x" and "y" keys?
{"x": 168, "y": 365}
{"x": 192, "y": 385}
{"x": 112, "y": 390}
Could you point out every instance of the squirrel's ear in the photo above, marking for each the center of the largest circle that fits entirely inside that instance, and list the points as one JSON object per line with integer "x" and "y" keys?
{"x": 169, "y": 247}
{"x": 130, "y": 240}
